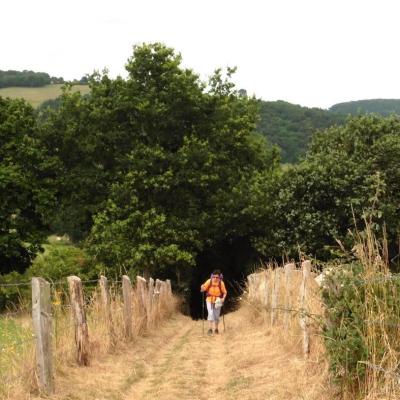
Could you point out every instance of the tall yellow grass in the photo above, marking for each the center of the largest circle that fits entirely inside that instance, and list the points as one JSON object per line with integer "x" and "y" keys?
{"x": 285, "y": 329}
{"x": 20, "y": 378}
{"x": 287, "y": 310}
{"x": 381, "y": 330}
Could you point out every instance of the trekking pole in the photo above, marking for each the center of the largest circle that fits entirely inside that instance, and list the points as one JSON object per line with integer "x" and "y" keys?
{"x": 223, "y": 319}
{"x": 202, "y": 316}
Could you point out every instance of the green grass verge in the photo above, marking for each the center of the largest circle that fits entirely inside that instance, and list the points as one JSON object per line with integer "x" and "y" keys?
{"x": 12, "y": 335}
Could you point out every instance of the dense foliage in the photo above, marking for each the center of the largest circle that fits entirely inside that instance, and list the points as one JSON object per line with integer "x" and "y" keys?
{"x": 344, "y": 321}
{"x": 162, "y": 171}
{"x": 189, "y": 177}
{"x": 383, "y": 107}
{"x": 25, "y": 186}
{"x": 291, "y": 126}
{"x": 348, "y": 170}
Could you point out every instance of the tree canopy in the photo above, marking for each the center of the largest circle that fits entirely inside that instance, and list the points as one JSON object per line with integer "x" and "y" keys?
{"x": 25, "y": 186}
{"x": 24, "y": 78}
{"x": 187, "y": 176}
{"x": 349, "y": 172}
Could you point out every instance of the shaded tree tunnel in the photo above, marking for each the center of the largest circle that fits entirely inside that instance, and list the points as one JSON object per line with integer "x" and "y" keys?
{"x": 234, "y": 260}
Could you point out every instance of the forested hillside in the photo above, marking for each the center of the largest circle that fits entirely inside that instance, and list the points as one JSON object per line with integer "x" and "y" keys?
{"x": 379, "y": 106}
{"x": 291, "y": 126}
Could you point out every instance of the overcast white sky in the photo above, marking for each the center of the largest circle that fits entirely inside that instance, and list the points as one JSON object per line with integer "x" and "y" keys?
{"x": 309, "y": 52}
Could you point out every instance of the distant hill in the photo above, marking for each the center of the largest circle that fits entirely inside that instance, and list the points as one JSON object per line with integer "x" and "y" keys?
{"x": 11, "y": 78}
{"x": 379, "y": 106}
{"x": 37, "y": 95}
{"x": 290, "y": 126}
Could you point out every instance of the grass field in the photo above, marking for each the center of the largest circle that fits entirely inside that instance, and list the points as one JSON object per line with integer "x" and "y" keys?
{"x": 13, "y": 332}
{"x": 36, "y": 96}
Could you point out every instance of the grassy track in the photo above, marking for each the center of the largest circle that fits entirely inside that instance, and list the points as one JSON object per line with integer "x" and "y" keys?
{"x": 247, "y": 362}
{"x": 36, "y": 96}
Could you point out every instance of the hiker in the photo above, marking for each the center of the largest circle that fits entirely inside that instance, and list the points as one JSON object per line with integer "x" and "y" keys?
{"x": 216, "y": 294}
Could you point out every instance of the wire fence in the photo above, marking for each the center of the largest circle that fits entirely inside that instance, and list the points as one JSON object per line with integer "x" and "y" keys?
{"x": 54, "y": 283}
{"x": 15, "y": 284}
{"x": 379, "y": 368}
{"x": 13, "y": 314}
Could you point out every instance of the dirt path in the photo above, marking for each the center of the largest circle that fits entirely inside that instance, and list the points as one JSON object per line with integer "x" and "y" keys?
{"x": 178, "y": 362}
{"x": 192, "y": 366}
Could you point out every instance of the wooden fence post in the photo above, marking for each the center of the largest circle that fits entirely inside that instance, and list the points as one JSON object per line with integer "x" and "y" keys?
{"x": 42, "y": 326}
{"x": 306, "y": 268}
{"x": 157, "y": 299}
{"x": 274, "y": 299}
{"x": 169, "y": 287}
{"x": 163, "y": 295}
{"x": 288, "y": 268}
{"x": 141, "y": 289}
{"x": 250, "y": 285}
{"x": 150, "y": 301}
{"x": 79, "y": 315}
{"x": 105, "y": 297}
{"x": 264, "y": 289}
{"x": 127, "y": 295}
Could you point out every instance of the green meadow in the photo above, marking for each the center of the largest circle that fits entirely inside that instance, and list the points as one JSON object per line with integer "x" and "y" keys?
{"x": 37, "y": 95}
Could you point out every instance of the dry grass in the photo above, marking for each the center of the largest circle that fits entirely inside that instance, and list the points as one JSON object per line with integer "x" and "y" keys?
{"x": 270, "y": 361}
{"x": 171, "y": 359}
{"x": 381, "y": 330}
{"x": 19, "y": 380}
{"x": 248, "y": 361}
{"x": 36, "y": 96}
{"x": 281, "y": 320}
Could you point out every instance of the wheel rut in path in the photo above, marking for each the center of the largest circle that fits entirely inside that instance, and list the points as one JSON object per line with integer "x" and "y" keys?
{"x": 186, "y": 368}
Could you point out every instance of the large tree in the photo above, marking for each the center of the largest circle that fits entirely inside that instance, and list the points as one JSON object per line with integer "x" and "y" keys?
{"x": 190, "y": 174}
{"x": 25, "y": 186}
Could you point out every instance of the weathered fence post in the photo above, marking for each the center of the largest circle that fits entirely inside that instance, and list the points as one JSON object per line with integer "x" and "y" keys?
{"x": 157, "y": 297}
{"x": 169, "y": 287}
{"x": 263, "y": 289}
{"x": 306, "y": 268}
{"x": 250, "y": 285}
{"x": 42, "y": 326}
{"x": 163, "y": 295}
{"x": 288, "y": 268}
{"x": 127, "y": 295}
{"x": 79, "y": 315}
{"x": 141, "y": 289}
{"x": 274, "y": 298}
{"x": 105, "y": 297}
{"x": 151, "y": 305}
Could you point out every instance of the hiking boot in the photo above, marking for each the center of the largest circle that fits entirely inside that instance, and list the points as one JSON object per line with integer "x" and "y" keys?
{"x": 209, "y": 332}
{"x": 216, "y": 332}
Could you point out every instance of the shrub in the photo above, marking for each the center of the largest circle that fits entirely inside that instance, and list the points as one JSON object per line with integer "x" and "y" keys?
{"x": 343, "y": 328}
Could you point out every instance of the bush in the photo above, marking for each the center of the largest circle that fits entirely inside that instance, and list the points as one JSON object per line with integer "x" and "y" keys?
{"x": 59, "y": 261}
{"x": 343, "y": 329}
{"x": 56, "y": 263}
{"x": 362, "y": 333}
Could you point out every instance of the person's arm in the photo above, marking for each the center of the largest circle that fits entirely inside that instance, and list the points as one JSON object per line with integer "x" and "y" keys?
{"x": 204, "y": 287}
{"x": 224, "y": 291}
